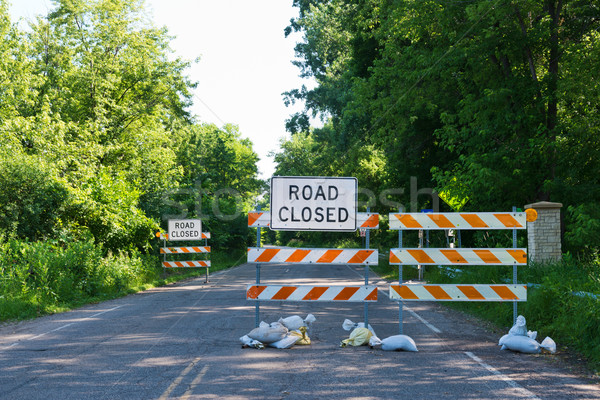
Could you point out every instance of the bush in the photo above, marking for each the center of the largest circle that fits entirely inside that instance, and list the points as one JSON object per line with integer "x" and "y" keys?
{"x": 32, "y": 199}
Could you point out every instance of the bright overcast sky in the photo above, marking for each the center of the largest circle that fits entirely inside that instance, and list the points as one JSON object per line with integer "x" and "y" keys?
{"x": 245, "y": 61}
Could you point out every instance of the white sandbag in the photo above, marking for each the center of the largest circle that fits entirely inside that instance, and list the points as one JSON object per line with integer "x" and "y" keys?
{"x": 519, "y": 328}
{"x": 248, "y": 342}
{"x": 548, "y": 344}
{"x": 398, "y": 342}
{"x": 374, "y": 341}
{"x": 532, "y": 335}
{"x": 285, "y": 343}
{"x": 294, "y": 322}
{"x": 522, "y": 344}
{"x": 348, "y": 325}
{"x": 268, "y": 333}
{"x": 502, "y": 339}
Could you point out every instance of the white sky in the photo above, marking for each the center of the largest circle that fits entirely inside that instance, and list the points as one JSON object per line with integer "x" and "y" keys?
{"x": 245, "y": 61}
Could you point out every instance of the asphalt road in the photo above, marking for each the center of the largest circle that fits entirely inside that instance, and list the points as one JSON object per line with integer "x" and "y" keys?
{"x": 182, "y": 342}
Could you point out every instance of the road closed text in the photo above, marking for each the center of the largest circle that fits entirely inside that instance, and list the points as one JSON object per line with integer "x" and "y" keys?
{"x": 304, "y": 203}
{"x": 185, "y": 229}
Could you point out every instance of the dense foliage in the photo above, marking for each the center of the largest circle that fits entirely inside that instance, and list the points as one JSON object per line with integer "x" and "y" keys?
{"x": 493, "y": 103}
{"x": 95, "y": 133}
{"x": 98, "y": 150}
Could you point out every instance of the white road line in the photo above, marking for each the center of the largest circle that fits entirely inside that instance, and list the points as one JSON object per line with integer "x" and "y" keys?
{"x": 427, "y": 324}
{"x": 417, "y": 316}
{"x": 60, "y": 327}
{"x": 510, "y": 382}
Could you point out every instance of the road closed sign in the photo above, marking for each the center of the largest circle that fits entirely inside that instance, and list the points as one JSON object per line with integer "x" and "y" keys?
{"x": 185, "y": 229}
{"x": 306, "y": 203}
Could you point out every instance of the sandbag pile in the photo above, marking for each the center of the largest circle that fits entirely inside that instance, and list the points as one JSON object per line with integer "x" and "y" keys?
{"x": 521, "y": 340}
{"x": 282, "y": 334}
{"x": 359, "y": 335}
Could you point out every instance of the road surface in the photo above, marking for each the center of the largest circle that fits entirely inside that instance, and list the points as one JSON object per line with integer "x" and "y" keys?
{"x": 182, "y": 341}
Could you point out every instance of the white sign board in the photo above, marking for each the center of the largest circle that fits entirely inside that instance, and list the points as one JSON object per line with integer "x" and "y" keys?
{"x": 185, "y": 229}
{"x": 306, "y": 203}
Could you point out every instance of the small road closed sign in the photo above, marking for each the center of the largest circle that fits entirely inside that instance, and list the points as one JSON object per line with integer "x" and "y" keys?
{"x": 185, "y": 229}
{"x": 308, "y": 203}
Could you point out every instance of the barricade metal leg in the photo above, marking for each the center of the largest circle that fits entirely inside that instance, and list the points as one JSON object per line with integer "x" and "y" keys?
{"x": 367, "y": 244}
{"x": 401, "y": 329}
{"x": 257, "y": 307}
{"x": 514, "y": 271}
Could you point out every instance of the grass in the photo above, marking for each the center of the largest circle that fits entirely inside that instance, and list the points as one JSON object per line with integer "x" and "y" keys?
{"x": 41, "y": 278}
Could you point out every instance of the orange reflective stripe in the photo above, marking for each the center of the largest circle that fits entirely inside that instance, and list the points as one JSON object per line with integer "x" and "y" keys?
{"x": 508, "y": 220}
{"x": 255, "y": 291}
{"x": 421, "y": 256}
{"x": 454, "y": 256}
{"x": 437, "y": 292}
{"x": 346, "y": 293}
{"x": 372, "y": 221}
{"x": 297, "y": 255}
{"x": 315, "y": 293}
{"x": 504, "y": 292}
{"x": 408, "y": 221}
{"x": 267, "y": 255}
{"x": 329, "y": 256}
{"x": 284, "y": 293}
{"x": 394, "y": 258}
{"x": 405, "y": 292}
{"x": 519, "y": 255}
{"x": 252, "y": 217}
{"x": 372, "y": 295}
{"x": 360, "y": 256}
{"x": 474, "y": 220}
{"x": 440, "y": 220}
{"x": 471, "y": 292}
{"x": 486, "y": 256}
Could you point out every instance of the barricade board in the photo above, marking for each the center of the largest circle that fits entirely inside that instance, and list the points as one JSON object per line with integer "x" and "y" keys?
{"x": 365, "y": 293}
{"x": 186, "y": 264}
{"x": 185, "y": 250}
{"x": 458, "y": 292}
{"x": 479, "y": 221}
{"x": 458, "y": 256}
{"x": 263, "y": 255}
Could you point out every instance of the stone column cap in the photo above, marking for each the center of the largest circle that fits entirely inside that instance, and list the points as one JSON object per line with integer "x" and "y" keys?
{"x": 543, "y": 204}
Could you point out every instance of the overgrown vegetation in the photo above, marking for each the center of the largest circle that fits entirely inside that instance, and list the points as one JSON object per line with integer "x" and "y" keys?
{"x": 98, "y": 150}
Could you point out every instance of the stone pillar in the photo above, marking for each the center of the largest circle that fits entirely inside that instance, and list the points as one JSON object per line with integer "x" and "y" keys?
{"x": 543, "y": 235}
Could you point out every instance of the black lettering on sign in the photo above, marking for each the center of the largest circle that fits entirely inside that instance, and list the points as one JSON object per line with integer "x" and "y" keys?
{"x": 319, "y": 217}
{"x": 306, "y": 214}
{"x": 320, "y": 193}
{"x": 281, "y": 215}
{"x": 307, "y": 192}
{"x": 331, "y": 191}
{"x": 294, "y": 192}
{"x": 330, "y": 214}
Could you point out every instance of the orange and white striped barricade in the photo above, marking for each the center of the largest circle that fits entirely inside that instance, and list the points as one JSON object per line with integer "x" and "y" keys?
{"x": 166, "y": 250}
{"x": 366, "y": 293}
{"x": 458, "y": 256}
{"x": 186, "y": 264}
{"x": 278, "y": 255}
{"x": 463, "y": 221}
{"x": 258, "y": 219}
{"x": 185, "y": 250}
{"x": 449, "y": 292}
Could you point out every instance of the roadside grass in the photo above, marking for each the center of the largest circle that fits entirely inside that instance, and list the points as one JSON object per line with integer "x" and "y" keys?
{"x": 41, "y": 278}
